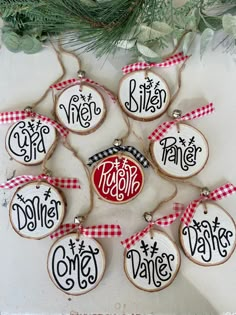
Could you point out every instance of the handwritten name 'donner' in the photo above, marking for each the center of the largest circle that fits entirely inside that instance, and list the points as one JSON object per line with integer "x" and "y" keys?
{"x": 36, "y": 212}
{"x": 81, "y": 110}
{"x": 178, "y": 151}
{"x": 151, "y": 264}
{"x": 75, "y": 265}
{"x": 146, "y": 97}
{"x": 206, "y": 237}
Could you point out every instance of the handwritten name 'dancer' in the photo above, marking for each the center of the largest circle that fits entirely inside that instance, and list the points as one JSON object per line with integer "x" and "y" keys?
{"x": 81, "y": 110}
{"x": 179, "y": 151}
{"x": 205, "y": 238}
{"x": 147, "y": 97}
{"x": 75, "y": 265}
{"x": 151, "y": 264}
{"x": 119, "y": 178}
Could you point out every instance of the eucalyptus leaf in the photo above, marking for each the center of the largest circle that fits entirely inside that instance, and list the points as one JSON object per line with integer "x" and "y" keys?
{"x": 229, "y": 24}
{"x": 193, "y": 20}
{"x": 27, "y": 43}
{"x": 188, "y": 39}
{"x": 126, "y": 44}
{"x": 206, "y": 37}
{"x": 37, "y": 46}
{"x": 155, "y": 30}
{"x": 147, "y": 52}
{"x": 11, "y": 41}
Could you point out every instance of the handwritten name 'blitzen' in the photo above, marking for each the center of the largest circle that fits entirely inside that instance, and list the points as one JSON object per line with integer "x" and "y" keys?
{"x": 118, "y": 179}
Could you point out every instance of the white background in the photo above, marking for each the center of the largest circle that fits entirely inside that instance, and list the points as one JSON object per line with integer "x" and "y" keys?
{"x": 25, "y": 285}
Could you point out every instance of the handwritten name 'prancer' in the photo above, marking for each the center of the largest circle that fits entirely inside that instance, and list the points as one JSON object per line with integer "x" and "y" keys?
{"x": 118, "y": 179}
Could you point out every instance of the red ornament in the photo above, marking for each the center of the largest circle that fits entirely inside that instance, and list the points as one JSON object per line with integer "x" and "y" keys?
{"x": 118, "y": 178}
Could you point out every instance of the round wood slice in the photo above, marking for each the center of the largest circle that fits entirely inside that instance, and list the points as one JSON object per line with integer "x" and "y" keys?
{"x": 29, "y": 140}
{"x": 210, "y": 238}
{"x": 118, "y": 178}
{"x": 76, "y": 266}
{"x": 80, "y": 111}
{"x": 37, "y": 210}
{"x": 143, "y": 95}
{"x": 153, "y": 262}
{"x": 180, "y": 154}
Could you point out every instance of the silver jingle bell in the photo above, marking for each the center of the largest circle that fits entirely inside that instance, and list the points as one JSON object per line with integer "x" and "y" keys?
{"x": 147, "y": 216}
{"x": 117, "y": 142}
{"x": 81, "y": 74}
{"x": 205, "y": 192}
{"x": 177, "y": 113}
{"x": 79, "y": 219}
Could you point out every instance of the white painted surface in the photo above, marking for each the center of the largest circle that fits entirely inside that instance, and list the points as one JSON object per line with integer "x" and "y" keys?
{"x": 144, "y": 95}
{"x": 26, "y": 287}
{"x": 153, "y": 262}
{"x": 210, "y": 237}
{"x": 80, "y": 109}
{"x": 181, "y": 152}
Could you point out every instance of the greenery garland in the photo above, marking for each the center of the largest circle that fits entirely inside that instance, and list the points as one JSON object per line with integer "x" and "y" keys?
{"x": 146, "y": 27}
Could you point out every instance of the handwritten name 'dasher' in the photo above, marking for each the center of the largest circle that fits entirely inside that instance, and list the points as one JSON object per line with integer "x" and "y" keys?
{"x": 146, "y": 97}
{"x": 118, "y": 179}
{"x": 80, "y": 110}
{"x": 183, "y": 155}
{"x": 206, "y": 237}
{"x": 75, "y": 266}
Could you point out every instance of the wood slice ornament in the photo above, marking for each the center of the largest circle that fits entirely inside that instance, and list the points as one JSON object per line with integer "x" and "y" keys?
{"x": 118, "y": 178}
{"x": 76, "y": 265}
{"x": 210, "y": 238}
{"x": 152, "y": 263}
{"x": 29, "y": 140}
{"x": 181, "y": 153}
{"x": 36, "y": 210}
{"x": 143, "y": 95}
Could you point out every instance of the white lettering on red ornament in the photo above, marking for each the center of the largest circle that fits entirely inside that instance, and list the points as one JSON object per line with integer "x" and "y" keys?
{"x": 143, "y": 95}
{"x": 36, "y": 210}
{"x": 118, "y": 179}
{"x": 181, "y": 153}
{"x": 210, "y": 237}
{"x": 76, "y": 266}
{"x": 81, "y": 109}
{"x": 29, "y": 140}
{"x": 153, "y": 262}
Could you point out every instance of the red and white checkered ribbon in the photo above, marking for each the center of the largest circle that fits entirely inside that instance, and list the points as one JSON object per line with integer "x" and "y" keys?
{"x": 11, "y": 117}
{"x": 61, "y": 85}
{"x": 162, "y": 129}
{"x": 55, "y": 181}
{"x": 96, "y": 231}
{"x": 217, "y": 194}
{"x": 164, "y": 221}
{"x": 173, "y": 60}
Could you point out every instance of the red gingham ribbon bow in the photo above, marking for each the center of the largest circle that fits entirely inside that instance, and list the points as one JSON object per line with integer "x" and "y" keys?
{"x": 61, "y": 85}
{"x": 96, "y": 231}
{"x": 173, "y": 60}
{"x": 56, "y": 181}
{"x": 10, "y": 117}
{"x": 164, "y": 221}
{"x": 162, "y": 129}
{"x": 217, "y": 194}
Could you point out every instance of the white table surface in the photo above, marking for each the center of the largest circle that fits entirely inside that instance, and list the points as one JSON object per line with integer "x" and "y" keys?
{"x": 25, "y": 285}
